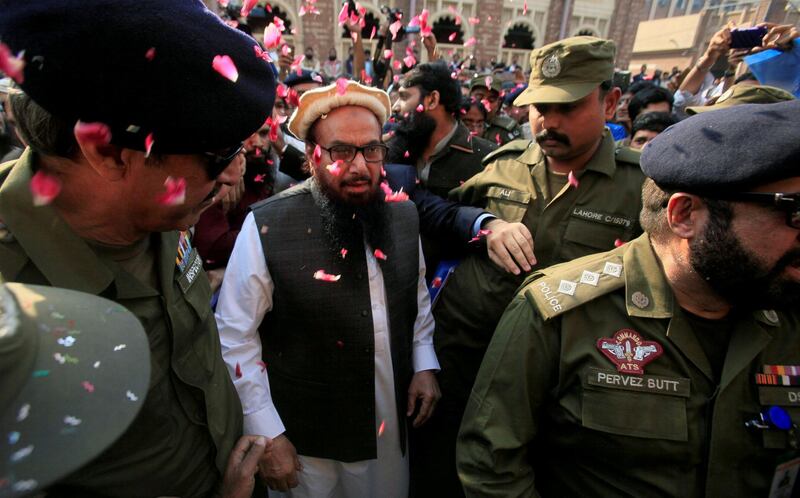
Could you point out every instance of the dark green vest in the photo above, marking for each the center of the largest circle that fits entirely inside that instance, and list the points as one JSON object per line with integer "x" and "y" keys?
{"x": 318, "y": 339}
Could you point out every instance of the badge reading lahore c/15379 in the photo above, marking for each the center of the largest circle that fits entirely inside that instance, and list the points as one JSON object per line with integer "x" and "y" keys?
{"x": 629, "y": 352}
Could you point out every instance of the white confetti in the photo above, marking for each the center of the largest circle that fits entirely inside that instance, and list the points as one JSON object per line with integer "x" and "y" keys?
{"x": 60, "y": 358}
{"x": 119, "y": 347}
{"x": 27, "y": 485}
{"x": 23, "y": 412}
{"x": 57, "y": 315}
{"x": 96, "y": 364}
{"x": 131, "y": 396}
{"x": 22, "y": 453}
{"x": 73, "y": 421}
{"x": 67, "y": 341}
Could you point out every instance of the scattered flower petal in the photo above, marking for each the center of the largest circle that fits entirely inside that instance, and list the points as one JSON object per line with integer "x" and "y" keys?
{"x": 259, "y": 178}
{"x": 238, "y": 371}
{"x": 341, "y": 86}
{"x": 381, "y": 428}
{"x": 272, "y": 36}
{"x": 95, "y": 133}
{"x": 262, "y": 365}
{"x": 96, "y": 364}
{"x": 326, "y": 277}
{"x": 262, "y": 54}
{"x": 343, "y": 253}
{"x": 470, "y": 42}
{"x": 524, "y": 7}
{"x": 380, "y": 255}
{"x": 176, "y": 192}
{"x": 150, "y": 54}
{"x": 66, "y": 341}
{"x": 224, "y": 65}
{"x": 420, "y": 108}
{"x": 436, "y": 282}
{"x": 44, "y": 188}
{"x": 339, "y": 344}
{"x": 13, "y": 66}
{"x": 394, "y": 28}
{"x": 247, "y": 6}
{"x": 88, "y": 386}
{"x": 131, "y": 396}
{"x": 572, "y": 180}
{"x": 406, "y": 154}
{"x": 409, "y": 60}
{"x": 149, "y": 141}
{"x": 474, "y": 20}
{"x": 120, "y": 347}
{"x": 372, "y": 33}
{"x": 343, "y": 14}
{"x": 619, "y": 242}
{"x": 335, "y": 169}
{"x": 388, "y": 53}
{"x": 452, "y": 36}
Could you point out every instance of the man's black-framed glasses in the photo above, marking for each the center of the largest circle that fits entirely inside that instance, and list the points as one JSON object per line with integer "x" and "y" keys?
{"x": 218, "y": 161}
{"x": 786, "y": 202}
{"x": 373, "y": 153}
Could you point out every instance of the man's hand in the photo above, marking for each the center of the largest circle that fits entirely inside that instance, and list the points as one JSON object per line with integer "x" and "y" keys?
{"x": 779, "y": 36}
{"x": 510, "y": 246}
{"x": 423, "y": 387}
{"x": 215, "y": 278}
{"x": 429, "y": 41}
{"x": 720, "y": 43}
{"x": 279, "y": 467}
{"x": 239, "y": 478}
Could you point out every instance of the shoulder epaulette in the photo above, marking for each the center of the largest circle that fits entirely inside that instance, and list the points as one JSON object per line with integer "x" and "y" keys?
{"x": 513, "y": 147}
{"x": 560, "y": 288}
{"x": 627, "y": 155}
{"x": 505, "y": 122}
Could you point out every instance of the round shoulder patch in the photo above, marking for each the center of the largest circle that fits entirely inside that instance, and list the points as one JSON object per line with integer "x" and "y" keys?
{"x": 551, "y": 66}
{"x": 725, "y": 96}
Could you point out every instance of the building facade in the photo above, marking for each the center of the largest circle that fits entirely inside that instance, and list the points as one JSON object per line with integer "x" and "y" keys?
{"x": 504, "y": 30}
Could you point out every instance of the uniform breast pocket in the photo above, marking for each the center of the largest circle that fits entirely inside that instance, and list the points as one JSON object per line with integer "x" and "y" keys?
{"x": 507, "y": 204}
{"x": 584, "y": 237}
{"x": 637, "y": 414}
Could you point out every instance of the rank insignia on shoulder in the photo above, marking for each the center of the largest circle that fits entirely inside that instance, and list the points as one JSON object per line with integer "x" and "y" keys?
{"x": 628, "y": 351}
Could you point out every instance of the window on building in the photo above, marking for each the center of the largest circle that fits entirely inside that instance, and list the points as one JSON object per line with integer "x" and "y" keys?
{"x": 443, "y": 30}
{"x": 519, "y": 36}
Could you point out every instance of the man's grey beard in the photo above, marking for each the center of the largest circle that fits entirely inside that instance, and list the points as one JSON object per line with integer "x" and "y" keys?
{"x": 347, "y": 226}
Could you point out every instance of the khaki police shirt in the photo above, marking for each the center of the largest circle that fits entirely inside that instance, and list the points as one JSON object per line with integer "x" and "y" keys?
{"x": 180, "y": 441}
{"x": 551, "y": 415}
{"x": 566, "y": 225}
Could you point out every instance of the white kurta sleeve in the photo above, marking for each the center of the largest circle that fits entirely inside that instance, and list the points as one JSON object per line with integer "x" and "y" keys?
{"x": 423, "y": 355}
{"x": 245, "y": 297}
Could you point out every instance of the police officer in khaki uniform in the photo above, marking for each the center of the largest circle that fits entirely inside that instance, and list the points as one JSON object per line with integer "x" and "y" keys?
{"x": 668, "y": 366}
{"x": 500, "y": 129}
{"x": 122, "y": 154}
{"x": 571, "y": 189}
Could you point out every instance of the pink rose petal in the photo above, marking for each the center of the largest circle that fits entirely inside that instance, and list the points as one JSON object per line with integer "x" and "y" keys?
{"x": 388, "y": 53}
{"x": 317, "y": 156}
{"x": 474, "y": 20}
{"x": 247, "y": 6}
{"x": 259, "y": 178}
{"x": 409, "y": 60}
{"x": 524, "y": 7}
{"x": 175, "y": 194}
{"x": 420, "y": 108}
{"x": 44, "y": 188}
{"x": 341, "y": 86}
{"x": 272, "y": 36}
{"x": 343, "y": 253}
{"x": 452, "y": 36}
{"x": 379, "y": 255}
{"x": 572, "y": 180}
{"x": 343, "y": 14}
{"x": 282, "y": 90}
{"x": 13, "y": 66}
{"x": 397, "y": 65}
{"x": 394, "y": 28}
{"x": 224, "y": 65}
{"x": 94, "y": 133}
{"x": 619, "y": 242}
{"x": 148, "y": 144}
{"x": 470, "y": 42}
{"x": 262, "y": 54}
{"x": 335, "y": 169}
{"x": 381, "y": 428}
{"x": 372, "y": 33}
{"x": 150, "y": 54}
{"x": 238, "y": 371}
{"x": 326, "y": 277}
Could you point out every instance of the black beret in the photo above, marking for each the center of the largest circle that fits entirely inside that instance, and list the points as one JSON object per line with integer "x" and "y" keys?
{"x": 304, "y": 76}
{"x": 141, "y": 67}
{"x": 728, "y": 150}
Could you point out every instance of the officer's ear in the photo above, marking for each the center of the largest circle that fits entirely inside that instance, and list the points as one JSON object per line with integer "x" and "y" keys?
{"x": 431, "y": 100}
{"x": 685, "y": 215}
{"x": 610, "y": 102}
{"x": 106, "y": 159}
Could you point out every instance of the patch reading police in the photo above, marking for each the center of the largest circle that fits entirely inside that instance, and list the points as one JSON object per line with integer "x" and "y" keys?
{"x": 628, "y": 351}
{"x": 551, "y": 66}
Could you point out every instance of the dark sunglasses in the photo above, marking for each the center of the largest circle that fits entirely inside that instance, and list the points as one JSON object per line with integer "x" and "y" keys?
{"x": 218, "y": 161}
{"x": 788, "y": 203}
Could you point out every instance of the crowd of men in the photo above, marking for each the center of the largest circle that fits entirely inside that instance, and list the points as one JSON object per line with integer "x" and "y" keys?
{"x": 220, "y": 277}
